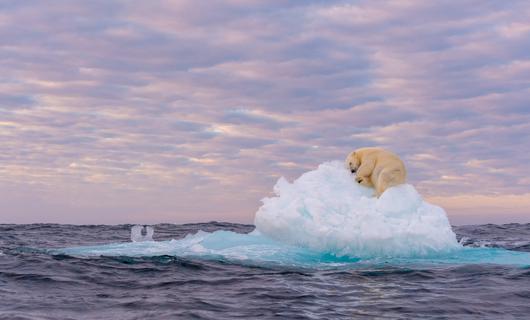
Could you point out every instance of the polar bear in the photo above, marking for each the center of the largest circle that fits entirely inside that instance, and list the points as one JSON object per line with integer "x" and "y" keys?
{"x": 376, "y": 168}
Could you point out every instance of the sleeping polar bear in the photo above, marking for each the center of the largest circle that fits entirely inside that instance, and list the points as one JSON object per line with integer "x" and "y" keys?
{"x": 376, "y": 168}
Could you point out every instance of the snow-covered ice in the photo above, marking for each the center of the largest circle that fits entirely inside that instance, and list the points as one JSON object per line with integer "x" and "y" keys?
{"x": 327, "y": 211}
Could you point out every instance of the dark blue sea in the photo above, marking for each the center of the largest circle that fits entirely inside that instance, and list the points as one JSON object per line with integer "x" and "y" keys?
{"x": 40, "y": 280}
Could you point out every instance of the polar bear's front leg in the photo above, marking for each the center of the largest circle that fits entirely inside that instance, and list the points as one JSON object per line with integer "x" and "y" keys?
{"x": 365, "y": 181}
{"x": 366, "y": 168}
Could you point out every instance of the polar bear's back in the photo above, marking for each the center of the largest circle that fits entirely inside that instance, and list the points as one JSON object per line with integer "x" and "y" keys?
{"x": 389, "y": 161}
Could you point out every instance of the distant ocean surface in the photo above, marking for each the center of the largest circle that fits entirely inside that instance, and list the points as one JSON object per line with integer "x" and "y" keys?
{"x": 36, "y": 283}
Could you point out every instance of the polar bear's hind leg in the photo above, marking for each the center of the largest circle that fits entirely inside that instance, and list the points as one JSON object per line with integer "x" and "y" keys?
{"x": 387, "y": 178}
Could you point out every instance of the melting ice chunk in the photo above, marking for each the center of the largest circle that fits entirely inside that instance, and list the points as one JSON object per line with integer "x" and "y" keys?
{"x": 142, "y": 233}
{"x": 326, "y": 211}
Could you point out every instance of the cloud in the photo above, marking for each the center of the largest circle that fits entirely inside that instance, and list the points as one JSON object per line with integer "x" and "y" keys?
{"x": 194, "y": 110}
{"x": 255, "y": 118}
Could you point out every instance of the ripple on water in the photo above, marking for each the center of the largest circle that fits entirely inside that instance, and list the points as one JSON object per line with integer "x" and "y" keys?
{"x": 34, "y": 284}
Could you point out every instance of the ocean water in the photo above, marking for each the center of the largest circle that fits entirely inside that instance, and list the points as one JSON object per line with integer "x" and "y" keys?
{"x": 322, "y": 247}
{"x": 53, "y": 271}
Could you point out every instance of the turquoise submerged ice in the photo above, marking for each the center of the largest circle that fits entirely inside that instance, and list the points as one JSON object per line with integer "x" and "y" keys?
{"x": 325, "y": 219}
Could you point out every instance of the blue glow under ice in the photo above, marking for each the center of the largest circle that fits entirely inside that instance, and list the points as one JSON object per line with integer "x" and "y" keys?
{"x": 326, "y": 220}
{"x": 256, "y": 249}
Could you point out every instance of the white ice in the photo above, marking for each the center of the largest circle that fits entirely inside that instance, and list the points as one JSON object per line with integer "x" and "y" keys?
{"x": 325, "y": 210}
{"x": 142, "y": 233}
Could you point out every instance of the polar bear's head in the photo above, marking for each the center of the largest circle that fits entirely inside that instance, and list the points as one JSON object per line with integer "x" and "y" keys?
{"x": 353, "y": 162}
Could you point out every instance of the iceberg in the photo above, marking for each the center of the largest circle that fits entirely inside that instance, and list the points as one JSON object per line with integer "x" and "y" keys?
{"x": 327, "y": 211}
{"x": 324, "y": 219}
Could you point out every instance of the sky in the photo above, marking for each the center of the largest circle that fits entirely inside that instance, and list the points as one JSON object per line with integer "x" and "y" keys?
{"x": 189, "y": 111}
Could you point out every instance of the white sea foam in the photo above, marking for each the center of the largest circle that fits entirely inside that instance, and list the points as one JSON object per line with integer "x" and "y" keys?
{"x": 327, "y": 211}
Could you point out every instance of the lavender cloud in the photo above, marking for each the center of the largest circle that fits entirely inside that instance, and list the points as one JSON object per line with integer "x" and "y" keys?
{"x": 195, "y": 109}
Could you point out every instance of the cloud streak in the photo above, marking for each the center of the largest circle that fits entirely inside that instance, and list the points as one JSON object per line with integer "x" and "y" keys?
{"x": 184, "y": 111}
